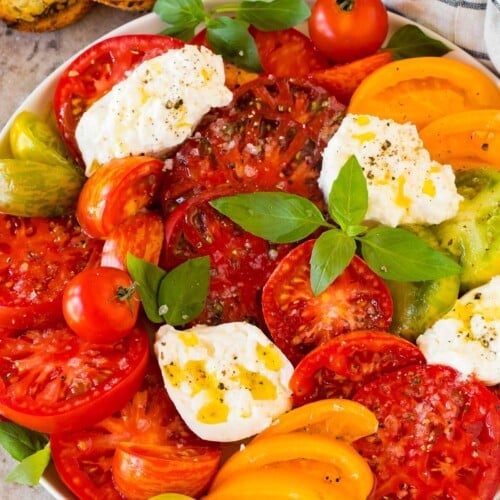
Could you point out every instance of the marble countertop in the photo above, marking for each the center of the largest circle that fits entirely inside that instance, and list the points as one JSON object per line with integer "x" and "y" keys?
{"x": 27, "y": 58}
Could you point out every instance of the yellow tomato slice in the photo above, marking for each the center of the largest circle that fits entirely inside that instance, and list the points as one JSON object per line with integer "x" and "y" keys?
{"x": 422, "y": 89}
{"x": 339, "y": 418}
{"x": 307, "y": 480}
{"x": 351, "y": 467}
{"x": 467, "y": 139}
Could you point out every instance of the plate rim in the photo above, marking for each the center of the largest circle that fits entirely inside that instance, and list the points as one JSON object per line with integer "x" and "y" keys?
{"x": 41, "y": 97}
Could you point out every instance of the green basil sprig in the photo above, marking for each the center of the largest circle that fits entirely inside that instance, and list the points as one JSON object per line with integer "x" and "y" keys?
{"x": 410, "y": 41}
{"x": 227, "y": 24}
{"x": 392, "y": 253}
{"x": 29, "y": 448}
{"x": 175, "y": 297}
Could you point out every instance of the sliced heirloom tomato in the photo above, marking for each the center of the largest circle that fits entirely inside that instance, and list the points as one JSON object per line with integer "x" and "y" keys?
{"x": 92, "y": 74}
{"x": 141, "y": 235}
{"x": 52, "y": 381}
{"x": 298, "y": 321}
{"x": 439, "y": 435}
{"x": 423, "y": 89}
{"x": 117, "y": 191}
{"x": 270, "y": 138}
{"x": 342, "y": 80}
{"x": 338, "y": 418}
{"x": 470, "y": 139}
{"x": 286, "y": 52}
{"x": 332, "y": 465}
{"x": 240, "y": 261}
{"x": 38, "y": 256}
{"x": 338, "y": 368}
{"x": 143, "y": 450}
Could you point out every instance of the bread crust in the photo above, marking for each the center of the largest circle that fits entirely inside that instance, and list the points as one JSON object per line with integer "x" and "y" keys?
{"x": 130, "y": 5}
{"x": 43, "y": 15}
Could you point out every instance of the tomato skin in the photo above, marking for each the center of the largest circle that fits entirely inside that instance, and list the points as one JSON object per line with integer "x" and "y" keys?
{"x": 333, "y": 22}
{"x": 95, "y": 71}
{"x": 116, "y": 191}
{"x": 84, "y": 459}
{"x": 142, "y": 471}
{"x": 338, "y": 368}
{"x": 440, "y": 437}
{"x": 100, "y": 304}
{"x": 141, "y": 235}
{"x": 51, "y": 380}
{"x": 38, "y": 256}
{"x": 298, "y": 321}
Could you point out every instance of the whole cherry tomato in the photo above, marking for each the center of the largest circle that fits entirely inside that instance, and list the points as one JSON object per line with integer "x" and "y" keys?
{"x": 101, "y": 304}
{"x": 345, "y": 30}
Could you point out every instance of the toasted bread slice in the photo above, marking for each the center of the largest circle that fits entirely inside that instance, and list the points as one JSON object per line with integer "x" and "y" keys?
{"x": 131, "y": 5}
{"x": 42, "y": 15}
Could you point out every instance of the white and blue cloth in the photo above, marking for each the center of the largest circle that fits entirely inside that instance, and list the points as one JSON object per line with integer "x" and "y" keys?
{"x": 473, "y": 25}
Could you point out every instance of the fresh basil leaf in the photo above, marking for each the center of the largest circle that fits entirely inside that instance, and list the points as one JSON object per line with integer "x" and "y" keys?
{"x": 274, "y": 15}
{"x": 30, "y": 470}
{"x": 147, "y": 277}
{"x": 20, "y": 442}
{"x": 184, "y": 290}
{"x": 411, "y": 41}
{"x": 332, "y": 252}
{"x": 182, "y": 15}
{"x": 230, "y": 38}
{"x": 396, "y": 254}
{"x": 274, "y": 216}
{"x": 348, "y": 199}
{"x": 355, "y": 230}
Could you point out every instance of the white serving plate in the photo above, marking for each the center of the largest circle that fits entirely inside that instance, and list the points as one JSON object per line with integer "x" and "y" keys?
{"x": 40, "y": 99}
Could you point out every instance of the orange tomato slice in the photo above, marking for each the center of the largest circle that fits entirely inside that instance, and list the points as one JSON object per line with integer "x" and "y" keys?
{"x": 340, "y": 455}
{"x": 305, "y": 479}
{"x": 339, "y": 418}
{"x": 468, "y": 139}
{"x": 423, "y": 89}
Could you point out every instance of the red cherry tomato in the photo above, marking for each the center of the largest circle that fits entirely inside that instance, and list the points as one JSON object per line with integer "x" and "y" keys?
{"x": 38, "y": 256}
{"x": 439, "y": 435}
{"x": 101, "y": 304}
{"x": 345, "y": 30}
{"x": 338, "y": 368}
{"x": 298, "y": 321}
{"x": 95, "y": 71}
{"x": 117, "y": 190}
{"x": 142, "y": 450}
{"x": 53, "y": 381}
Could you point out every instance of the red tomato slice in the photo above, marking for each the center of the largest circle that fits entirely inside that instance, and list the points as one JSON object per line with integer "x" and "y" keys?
{"x": 149, "y": 438}
{"x": 272, "y": 140}
{"x": 299, "y": 321}
{"x": 51, "y": 380}
{"x": 117, "y": 191}
{"x": 240, "y": 261}
{"x": 38, "y": 256}
{"x": 439, "y": 435}
{"x": 339, "y": 367}
{"x": 285, "y": 52}
{"x": 141, "y": 235}
{"x": 95, "y": 71}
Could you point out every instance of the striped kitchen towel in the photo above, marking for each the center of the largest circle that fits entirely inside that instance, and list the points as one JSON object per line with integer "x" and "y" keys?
{"x": 473, "y": 25}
